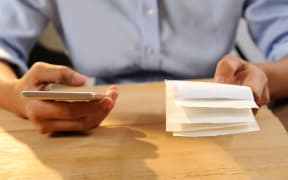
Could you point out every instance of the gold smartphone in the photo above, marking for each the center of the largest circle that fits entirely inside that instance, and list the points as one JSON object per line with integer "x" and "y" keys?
{"x": 69, "y": 96}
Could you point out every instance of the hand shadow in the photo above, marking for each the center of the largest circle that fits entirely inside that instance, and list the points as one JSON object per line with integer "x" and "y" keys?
{"x": 104, "y": 153}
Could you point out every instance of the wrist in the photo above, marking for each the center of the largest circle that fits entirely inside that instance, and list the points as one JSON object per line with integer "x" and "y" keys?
{"x": 12, "y": 100}
{"x": 276, "y": 72}
{"x": 9, "y": 91}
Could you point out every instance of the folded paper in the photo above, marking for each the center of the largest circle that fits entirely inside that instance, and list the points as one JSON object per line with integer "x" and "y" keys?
{"x": 208, "y": 109}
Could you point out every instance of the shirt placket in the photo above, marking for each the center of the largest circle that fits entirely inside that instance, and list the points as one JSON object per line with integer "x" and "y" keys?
{"x": 150, "y": 34}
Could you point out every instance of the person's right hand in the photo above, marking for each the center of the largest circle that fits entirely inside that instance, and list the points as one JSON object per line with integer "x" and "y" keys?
{"x": 52, "y": 116}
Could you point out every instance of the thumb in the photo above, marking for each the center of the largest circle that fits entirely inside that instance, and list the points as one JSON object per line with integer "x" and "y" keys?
{"x": 227, "y": 68}
{"x": 48, "y": 73}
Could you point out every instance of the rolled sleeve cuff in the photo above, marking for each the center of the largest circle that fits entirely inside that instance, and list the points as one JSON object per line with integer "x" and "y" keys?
{"x": 278, "y": 52}
{"x": 20, "y": 66}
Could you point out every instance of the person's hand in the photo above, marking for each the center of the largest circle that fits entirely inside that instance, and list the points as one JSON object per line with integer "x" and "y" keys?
{"x": 53, "y": 116}
{"x": 233, "y": 70}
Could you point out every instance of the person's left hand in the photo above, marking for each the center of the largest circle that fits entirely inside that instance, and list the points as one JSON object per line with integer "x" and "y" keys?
{"x": 233, "y": 70}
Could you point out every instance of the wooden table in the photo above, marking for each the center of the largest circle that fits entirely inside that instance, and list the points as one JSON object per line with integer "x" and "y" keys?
{"x": 132, "y": 144}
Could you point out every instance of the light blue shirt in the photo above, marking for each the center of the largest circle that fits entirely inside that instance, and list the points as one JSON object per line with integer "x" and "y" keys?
{"x": 109, "y": 38}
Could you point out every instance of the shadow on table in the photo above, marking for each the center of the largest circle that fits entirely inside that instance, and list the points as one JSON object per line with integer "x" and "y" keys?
{"x": 104, "y": 153}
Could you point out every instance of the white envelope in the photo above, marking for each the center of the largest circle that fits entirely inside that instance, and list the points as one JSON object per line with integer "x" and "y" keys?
{"x": 250, "y": 127}
{"x": 190, "y": 113}
{"x": 207, "y": 90}
{"x": 216, "y": 103}
{"x": 201, "y": 126}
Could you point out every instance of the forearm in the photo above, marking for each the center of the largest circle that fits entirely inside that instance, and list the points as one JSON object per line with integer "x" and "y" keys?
{"x": 7, "y": 81}
{"x": 277, "y": 73}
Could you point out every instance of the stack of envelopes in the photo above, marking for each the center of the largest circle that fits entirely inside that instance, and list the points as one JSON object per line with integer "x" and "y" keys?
{"x": 208, "y": 109}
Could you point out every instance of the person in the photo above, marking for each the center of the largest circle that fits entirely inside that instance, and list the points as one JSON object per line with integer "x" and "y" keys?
{"x": 127, "y": 41}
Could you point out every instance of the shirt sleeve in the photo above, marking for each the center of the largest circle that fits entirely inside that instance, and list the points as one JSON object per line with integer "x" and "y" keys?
{"x": 21, "y": 22}
{"x": 268, "y": 25}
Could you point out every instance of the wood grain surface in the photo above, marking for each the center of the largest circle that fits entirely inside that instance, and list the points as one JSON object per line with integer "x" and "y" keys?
{"x": 132, "y": 144}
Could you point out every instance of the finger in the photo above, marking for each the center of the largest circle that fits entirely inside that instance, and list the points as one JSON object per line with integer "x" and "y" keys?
{"x": 265, "y": 98}
{"x": 112, "y": 92}
{"x": 227, "y": 68}
{"x": 43, "y": 110}
{"x": 107, "y": 103}
{"x": 267, "y": 94}
{"x": 255, "y": 80}
{"x": 62, "y": 125}
{"x": 257, "y": 88}
{"x": 48, "y": 73}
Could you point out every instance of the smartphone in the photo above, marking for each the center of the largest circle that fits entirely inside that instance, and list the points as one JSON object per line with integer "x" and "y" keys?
{"x": 69, "y": 96}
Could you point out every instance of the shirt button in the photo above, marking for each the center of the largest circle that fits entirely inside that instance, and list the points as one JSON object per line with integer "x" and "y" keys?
{"x": 148, "y": 10}
{"x": 150, "y": 50}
